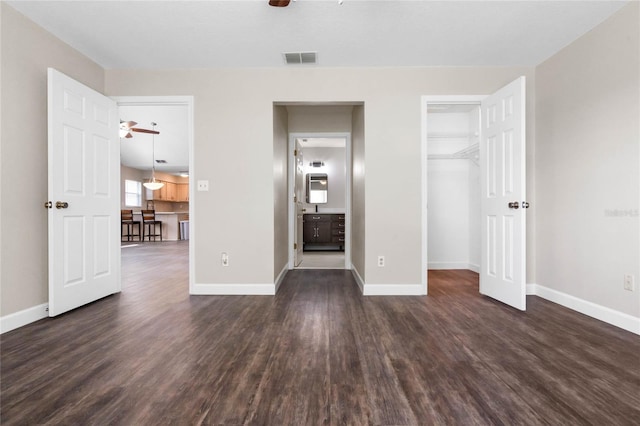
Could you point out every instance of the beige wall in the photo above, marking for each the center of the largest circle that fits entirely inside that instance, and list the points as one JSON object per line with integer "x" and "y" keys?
{"x": 27, "y": 51}
{"x": 280, "y": 190}
{"x": 319, "y": 118}
{"x": 234, "y": 143}
{"x": 587, "y": 165}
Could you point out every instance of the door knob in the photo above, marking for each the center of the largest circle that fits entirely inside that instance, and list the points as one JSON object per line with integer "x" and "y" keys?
{"x": 514, "y": 205}
{"x": 61, "y": 204}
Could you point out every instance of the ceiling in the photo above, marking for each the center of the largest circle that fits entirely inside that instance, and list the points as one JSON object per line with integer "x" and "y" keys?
{"x": 172, "y": 144}
{"x": 184, "y": 34}
{"x": 249, "y": 33}
{"x": 322, "y": 142}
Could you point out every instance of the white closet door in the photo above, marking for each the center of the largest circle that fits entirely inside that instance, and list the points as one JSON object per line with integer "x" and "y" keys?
{"x": 503, "y": 228}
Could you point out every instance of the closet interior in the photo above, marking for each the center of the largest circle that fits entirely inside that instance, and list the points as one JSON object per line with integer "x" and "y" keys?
{"x": 453, "y": 186}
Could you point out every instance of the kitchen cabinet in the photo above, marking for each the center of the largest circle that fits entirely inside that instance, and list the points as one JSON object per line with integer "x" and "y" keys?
{"x": 322, "y": 230}
{"x": 176, "y": 192}
{"x": 158, "y": 194}
{"x": 182, "y": 192}
{"x": 168, "y": 192}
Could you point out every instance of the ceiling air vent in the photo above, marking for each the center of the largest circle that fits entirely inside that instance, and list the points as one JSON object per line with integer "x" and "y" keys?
{"x": 300, "y": 58}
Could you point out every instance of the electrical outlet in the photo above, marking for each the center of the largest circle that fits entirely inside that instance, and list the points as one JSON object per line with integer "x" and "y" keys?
{"x": 203, "y": 185}
{"x": 381, "y": 261}
{"x": 225, "y": 259}
{"x": 629, "y": 283}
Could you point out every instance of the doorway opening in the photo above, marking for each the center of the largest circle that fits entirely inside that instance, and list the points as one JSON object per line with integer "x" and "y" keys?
{"x": 453, "y": 186}
{"x": 320, "y": 187}
{"x": 451, "y": 219}
{"x": 171, "y": 154}
{"x": 494, "y": 136}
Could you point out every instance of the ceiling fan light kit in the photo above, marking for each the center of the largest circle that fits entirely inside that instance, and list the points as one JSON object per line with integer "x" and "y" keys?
{"x": 153, "y": 183}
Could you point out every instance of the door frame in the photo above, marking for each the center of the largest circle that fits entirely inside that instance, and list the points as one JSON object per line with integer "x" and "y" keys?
{"x": 188, "y": 102}
{"x": 425, "y": 101}
{"x": 347, "y": 191}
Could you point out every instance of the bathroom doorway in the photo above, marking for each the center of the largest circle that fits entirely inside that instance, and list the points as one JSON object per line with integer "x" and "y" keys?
{"x": 320, "y": 224}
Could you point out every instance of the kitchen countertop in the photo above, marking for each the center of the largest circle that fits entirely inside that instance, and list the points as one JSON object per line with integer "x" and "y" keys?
{"x": 157, "y": 213}
{"x": 170, "y": 222}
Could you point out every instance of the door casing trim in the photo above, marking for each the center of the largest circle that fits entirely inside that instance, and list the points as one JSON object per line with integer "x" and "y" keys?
{"x": 424, "y": 102}
{"x": 187, "y": 101}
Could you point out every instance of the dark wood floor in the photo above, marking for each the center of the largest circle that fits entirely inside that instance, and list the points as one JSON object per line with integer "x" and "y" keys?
{"x": 317, "y": 353}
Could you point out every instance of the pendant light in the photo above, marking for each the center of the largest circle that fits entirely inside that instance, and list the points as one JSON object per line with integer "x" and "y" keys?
{"x": 153, "y": 184}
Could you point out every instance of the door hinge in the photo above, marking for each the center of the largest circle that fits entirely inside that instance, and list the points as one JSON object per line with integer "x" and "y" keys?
{"x": 295, "y": 198}
{"x": 295, "y": 152}
{"x": 295, "y": 246}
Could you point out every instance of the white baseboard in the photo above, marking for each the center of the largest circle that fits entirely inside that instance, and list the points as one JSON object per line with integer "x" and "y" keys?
{"x": 453, "y": 265}
{"x": 448, "y": 265}
{"x": 24, "y": 317}
{"x": 602, "y": 313}
{"x": 393, "y": 290}
{"x": 358, "y": 279}
{"x": 387, "y": 289}
{"x": 234, "y": 289}
{"x": 281, "y": 276}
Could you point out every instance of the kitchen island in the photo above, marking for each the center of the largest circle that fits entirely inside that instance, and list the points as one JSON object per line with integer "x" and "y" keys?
{"x": 170, "y": 221}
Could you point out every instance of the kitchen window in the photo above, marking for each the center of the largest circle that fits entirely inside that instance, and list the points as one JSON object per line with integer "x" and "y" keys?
{"x": 132, "y": 193}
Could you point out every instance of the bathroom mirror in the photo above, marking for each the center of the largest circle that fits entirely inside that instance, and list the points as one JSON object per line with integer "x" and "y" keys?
{"x": 317, "y": 187}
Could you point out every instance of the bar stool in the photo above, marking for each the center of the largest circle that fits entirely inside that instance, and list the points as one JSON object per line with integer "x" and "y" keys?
{"x": 126, "y": 219}
{"x": 149, "y": 220}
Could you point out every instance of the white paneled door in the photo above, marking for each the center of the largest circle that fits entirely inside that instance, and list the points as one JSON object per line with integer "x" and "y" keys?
{"x": 503, "y": 229}
{"x": 83, "y": 207}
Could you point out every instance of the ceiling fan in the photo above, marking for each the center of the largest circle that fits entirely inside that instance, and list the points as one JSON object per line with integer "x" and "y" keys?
{"x": 126, "y": 127}
{"x": 284, "y": 3}
{"x": 279, "y": 3}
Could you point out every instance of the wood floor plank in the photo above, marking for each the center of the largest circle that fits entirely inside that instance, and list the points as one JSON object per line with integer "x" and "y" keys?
{"x": 318, "y": 353}
{"x": 295, "y": 387}
{"x": 349, "y": 401}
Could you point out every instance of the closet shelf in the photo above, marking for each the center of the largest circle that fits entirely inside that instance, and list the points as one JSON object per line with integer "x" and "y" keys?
{"x": 472, "y": 152}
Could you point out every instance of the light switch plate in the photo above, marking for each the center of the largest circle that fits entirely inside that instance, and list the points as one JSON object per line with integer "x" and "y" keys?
{"x": 203, "y": 185}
